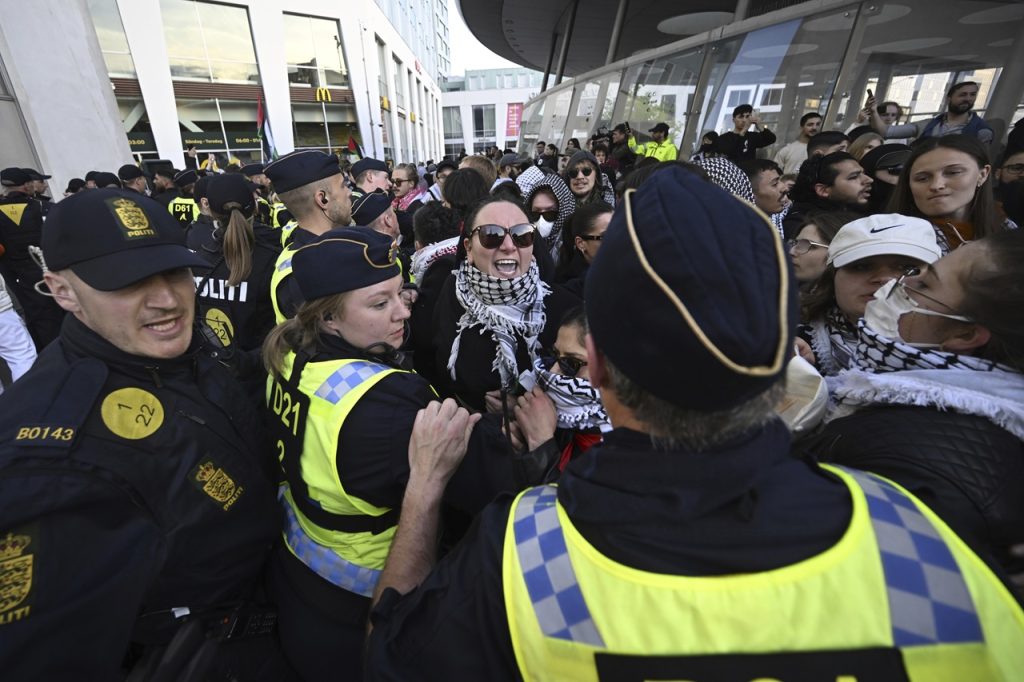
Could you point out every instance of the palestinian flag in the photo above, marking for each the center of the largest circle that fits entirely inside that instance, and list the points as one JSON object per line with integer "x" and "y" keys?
{"x": 353, "y": 147}
{"x": 268, "y": 151}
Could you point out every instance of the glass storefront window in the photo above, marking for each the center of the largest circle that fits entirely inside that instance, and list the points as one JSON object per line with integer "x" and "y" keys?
{"x": 208, "y": 41}
{"x": 660, "y": 91}
{"x": 552, "y": 129}
{"x": 452, "y": 123}
{"x": 483, "y": 121}
{"x": 783, "y": 71}
{"x": 313, "y": 50}
{"x": 533, "y": 117}
{"x": 113, "y": 43}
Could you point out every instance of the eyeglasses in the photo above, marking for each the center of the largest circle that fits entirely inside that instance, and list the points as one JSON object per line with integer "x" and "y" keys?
{"x": 586, "y": 170}
{"x": 399, "y": 181}
{"x": 591, "y": 237}
{"x": 493, "y": 236}
{"x": 569, "y": 365}
{"x": 550, "y": 216}
{"x": 1014, "y": 168}
{"x": 802, "y": 246}
{"x": 915, "y": 272}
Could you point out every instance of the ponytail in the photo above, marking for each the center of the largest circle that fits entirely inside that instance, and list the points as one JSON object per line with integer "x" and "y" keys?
{"x": 239, "y": 240}
{"x": 300, "y": 332}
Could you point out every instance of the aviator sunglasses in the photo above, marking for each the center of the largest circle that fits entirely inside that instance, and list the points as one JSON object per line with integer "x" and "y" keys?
{"x": 569, "y": 365}
{"x": 492, "y": 236}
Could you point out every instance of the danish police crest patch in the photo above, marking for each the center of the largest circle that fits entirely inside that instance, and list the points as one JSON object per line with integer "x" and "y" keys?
{"x": 131, "y": 218}
{"x": 216, "y": 483}
{"x": 16, "y": 566}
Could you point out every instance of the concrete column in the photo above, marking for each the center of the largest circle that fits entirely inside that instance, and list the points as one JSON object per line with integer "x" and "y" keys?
{"x": 620, "y": 19}
{"x": 566, "y": 41}
{"x": 58, "y": 78}
{"x": 144, "y": 29}
{"x": 268, "y": 40}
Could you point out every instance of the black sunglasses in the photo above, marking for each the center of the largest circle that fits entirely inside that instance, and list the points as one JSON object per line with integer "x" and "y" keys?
{"x": 569, "y": 365}
{"x": 586, "y": 170}
{"x": 550, "y": 216}
{"x": 493, "y": 236}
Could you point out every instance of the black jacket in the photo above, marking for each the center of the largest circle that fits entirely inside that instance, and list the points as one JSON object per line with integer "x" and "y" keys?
{"x": 135, "y": 486}
{"x": 966, "y": 468}
{"x": 743, "y": 147}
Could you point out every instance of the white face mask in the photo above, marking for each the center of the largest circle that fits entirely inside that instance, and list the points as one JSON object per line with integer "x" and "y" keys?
{"x": 892, "y": 302}
{"x": 544, "y": 227}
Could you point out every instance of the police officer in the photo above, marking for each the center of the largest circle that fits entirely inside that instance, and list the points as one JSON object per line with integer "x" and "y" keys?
{"x": 343, "y": 400}
{"x": 234, "y": 294}
{"x": 254, "y": 172}
{"x": 690, "y": 544}
{"x": 370, "y": 175}
{"x": 132, "y": 177}
{"x": 183, "y": 207}
{"x": 311, "y": 186}
{"x": 39, "y": 188}
{"x": 134, "y": 494}
{"x": 21, "y": 224}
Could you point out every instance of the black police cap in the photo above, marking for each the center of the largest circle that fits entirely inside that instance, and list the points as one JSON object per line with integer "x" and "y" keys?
{"x": 14, "y": 177}
{"x": 113, "y": 238}
{"x": 130, "y": 171}
{"x": 201, "y": 188}
{"x": 344, "y": 259}
{"x": 368, "y": 207}
{"x": 36, "y": 175}
{"x": 707, "y": 320}
{"x": 363, "y": 165}
{"x": 251, "y": 169}
{"x": 105, "y": 179}
{"x": 230, "y": 190}
{"x": 185, "y": 178}
{"x": 301, "y": 168}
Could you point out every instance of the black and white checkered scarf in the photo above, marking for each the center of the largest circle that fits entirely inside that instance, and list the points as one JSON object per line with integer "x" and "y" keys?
{"x": 576, "y": 400}
{"x": 506, "y": 308}
{"x": 833, "y": 340}
{"x": 876, "y": 353}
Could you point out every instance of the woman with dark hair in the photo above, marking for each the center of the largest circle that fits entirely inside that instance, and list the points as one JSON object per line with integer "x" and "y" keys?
{"x": 494, "y": 312}
{"x": 342, "y": 401}
{"x": 463, "y": 188}
{"x": 809, "y": 250}
{"x": 937, "y": 401}
{"x": 586, "y": 181}
{"x": 947, "y": 180}
{"x": 862, "y": 257}
{"x": 586, "y": 228}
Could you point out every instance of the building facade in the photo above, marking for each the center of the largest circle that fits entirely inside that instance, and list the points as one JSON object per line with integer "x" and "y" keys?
{"x": 484, "y": 108}
{"x": 195, "y": 73}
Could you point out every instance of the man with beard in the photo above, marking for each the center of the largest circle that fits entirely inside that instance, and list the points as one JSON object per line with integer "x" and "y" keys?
{"x": 834, "y": 182}
{"x": 958, "y": 119}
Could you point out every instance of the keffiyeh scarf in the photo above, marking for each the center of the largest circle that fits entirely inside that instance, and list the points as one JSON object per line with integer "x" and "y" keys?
{"x": 890, "y": 372}
{"x": 577, "y": 402}
{"x": 425, "y": 257}
{"x": 833, "y": 341}
{"x": 506, "y": 308}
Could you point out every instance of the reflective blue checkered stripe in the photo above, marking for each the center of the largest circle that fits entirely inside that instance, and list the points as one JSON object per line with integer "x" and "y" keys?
{"x": 347, "y": 377}
{"x": 929, "y": 602}
{"x": 324, "y": 562}
{"x": 286, "y": 264}
{"x": 550, "y": 579}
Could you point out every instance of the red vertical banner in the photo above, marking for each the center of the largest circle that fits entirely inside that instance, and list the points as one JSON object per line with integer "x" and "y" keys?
{"x": 515, "y": 117}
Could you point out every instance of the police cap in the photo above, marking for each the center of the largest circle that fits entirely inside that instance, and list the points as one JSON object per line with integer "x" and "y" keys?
{"x": 185, "y": 178}
{"x": 230, "y": 190}
{"x": 363, "y": 165}
{"x": 113, "y": 238}
{"x": 200, "y": 191}
{"x": 301, "y": 168}
{"x": 251, "y": 169}
{"x": 707, "y": 321}
{"x": 129, "y": 171}
{"x": 14, "y": 177}
{"x": 105, "y": 179}
{"x": 344, "y": 259}
{"x": 370, "y": 206}
{"x": 36, "y": 175}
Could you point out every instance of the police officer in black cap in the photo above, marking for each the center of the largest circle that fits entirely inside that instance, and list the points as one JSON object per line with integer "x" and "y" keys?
{"x": 343, "y": 401}
{"x": 132, "y": 177}
{"x": 690, "y": 544}
{"x": 311, "y": 186}
{"x": 234, "y": 294}
{"x": 370, "y": 175}
{"x": 21, "y": 224}
{"x": 39, "y": 188}
{"x": 184, "y": 207}
{"x": 135, "y": 499}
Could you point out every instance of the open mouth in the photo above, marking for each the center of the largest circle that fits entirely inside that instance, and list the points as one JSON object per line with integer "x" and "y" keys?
{"x": 164, "y": 326}
{"x": 506, "y": 266}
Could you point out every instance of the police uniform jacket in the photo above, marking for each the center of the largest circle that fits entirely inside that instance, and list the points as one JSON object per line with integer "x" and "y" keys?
{"x": 167, "y": 196}
{"x": 743, "y": 508}
{"x": 129, "y": 487}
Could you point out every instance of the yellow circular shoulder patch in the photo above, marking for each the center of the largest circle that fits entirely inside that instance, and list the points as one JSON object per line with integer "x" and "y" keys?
{"x": 218, "y": 321}
{"x": 132, "y": 413}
